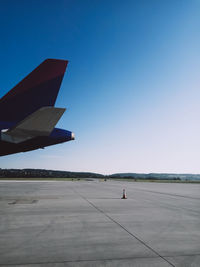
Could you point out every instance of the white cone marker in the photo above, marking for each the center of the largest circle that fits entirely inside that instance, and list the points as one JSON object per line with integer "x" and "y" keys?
{"x": 124, "y": 194}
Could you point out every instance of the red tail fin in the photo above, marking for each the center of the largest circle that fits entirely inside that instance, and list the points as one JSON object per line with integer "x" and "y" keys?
{"x": 38, "y": 89}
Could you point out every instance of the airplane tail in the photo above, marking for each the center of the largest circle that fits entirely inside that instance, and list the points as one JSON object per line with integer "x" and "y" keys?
{"x": 38, "y": 89}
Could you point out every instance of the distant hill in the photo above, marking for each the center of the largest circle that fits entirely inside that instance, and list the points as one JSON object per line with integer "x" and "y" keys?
{"x": 42, "y": 173}
{"x": 160, "y": 176}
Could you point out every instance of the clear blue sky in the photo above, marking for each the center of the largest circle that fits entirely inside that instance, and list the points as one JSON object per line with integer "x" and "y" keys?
{"x": 132, "y": 87}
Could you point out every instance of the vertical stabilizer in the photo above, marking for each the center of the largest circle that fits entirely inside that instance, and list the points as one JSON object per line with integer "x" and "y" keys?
{"x": 40, "y": 88}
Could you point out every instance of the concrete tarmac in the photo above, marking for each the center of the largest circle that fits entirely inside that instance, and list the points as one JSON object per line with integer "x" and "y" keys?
{"x": 86, "y": 224}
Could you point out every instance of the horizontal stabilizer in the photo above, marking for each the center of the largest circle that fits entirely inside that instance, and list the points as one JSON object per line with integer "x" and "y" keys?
{"x": 39, "y": 123}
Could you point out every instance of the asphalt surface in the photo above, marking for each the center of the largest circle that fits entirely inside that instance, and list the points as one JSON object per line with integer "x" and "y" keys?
{"x": 86, "y": 223}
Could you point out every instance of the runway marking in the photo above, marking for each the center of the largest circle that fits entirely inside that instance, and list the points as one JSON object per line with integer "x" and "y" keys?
{"x": 124, "y": 228}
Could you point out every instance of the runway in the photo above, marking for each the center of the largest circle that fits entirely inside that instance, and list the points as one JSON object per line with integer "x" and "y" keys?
{"x": 86, "y": 223}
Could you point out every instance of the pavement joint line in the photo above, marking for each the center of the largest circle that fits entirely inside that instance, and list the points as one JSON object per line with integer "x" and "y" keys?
{"x": 45, "y": 228}
{"x": 84, "y": 260}
{"x": 174, "y": 206}
{"x": 173, "y": 195}
{"x": 97, "y": 260}
{"x": 170, "y": 205}
{"x": 137, "y": 238}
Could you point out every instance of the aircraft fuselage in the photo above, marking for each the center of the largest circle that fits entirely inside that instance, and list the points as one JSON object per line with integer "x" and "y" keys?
{"x": 56, "y": 137}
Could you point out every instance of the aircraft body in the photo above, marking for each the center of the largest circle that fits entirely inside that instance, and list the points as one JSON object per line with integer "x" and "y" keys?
{"x": 27, "y": 112}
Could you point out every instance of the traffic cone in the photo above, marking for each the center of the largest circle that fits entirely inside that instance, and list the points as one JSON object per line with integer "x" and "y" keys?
{"x": 124, "y": 194}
